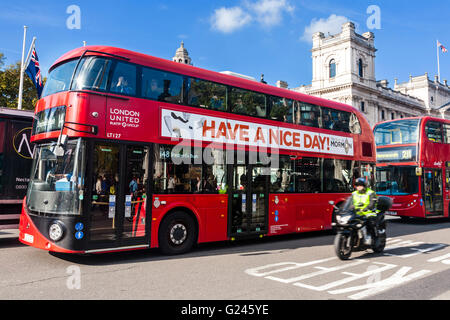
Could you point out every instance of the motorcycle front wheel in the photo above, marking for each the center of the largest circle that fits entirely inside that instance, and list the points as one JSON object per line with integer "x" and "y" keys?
{"x": 343, "y": 246}
{"x": 379, "y": 243}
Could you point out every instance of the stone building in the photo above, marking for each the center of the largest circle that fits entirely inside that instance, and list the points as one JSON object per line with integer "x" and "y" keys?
{"x": 344, "y": 71}
{"x": 182, "y": 55}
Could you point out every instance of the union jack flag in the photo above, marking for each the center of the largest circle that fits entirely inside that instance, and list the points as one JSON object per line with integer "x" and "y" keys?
{"x": 444, "y": 49}
{"x": 34, "y": 72}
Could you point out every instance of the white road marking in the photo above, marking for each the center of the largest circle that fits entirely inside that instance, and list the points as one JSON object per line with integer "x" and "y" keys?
{"x": 374, "y": 281}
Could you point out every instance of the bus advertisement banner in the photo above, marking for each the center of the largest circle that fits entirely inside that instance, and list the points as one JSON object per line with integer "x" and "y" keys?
{"x": 177, "y": 125}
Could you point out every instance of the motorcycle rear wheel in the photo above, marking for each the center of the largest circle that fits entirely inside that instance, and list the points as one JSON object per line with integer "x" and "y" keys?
{"x": 341, "y": 247}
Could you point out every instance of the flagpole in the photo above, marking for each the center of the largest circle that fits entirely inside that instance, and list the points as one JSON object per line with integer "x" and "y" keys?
{"x": 27, "y": 60}
{"x": 19, "y": 104}
{"x": 439, "y": 67}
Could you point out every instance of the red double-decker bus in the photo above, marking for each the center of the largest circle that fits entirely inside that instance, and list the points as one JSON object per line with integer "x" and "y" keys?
{"x": 134, "y": 151}
{"x": 413, "y": 166}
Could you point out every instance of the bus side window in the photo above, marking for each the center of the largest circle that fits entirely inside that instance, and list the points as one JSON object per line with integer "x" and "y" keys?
{"x": 207, "y": 94}
{"x": 310, "y": 115}
{"x": 124, "y": 79}
{"x": 282, "y": 177}
{"x": 152, "y": 83}
{"x": 355, "y": 126}
{"x": 447, "y": 133}
{"x": 248, "y": 102}
{"x": 281, "y": 109}
{"x": 307, "y": 171}
{"x": 434, "y": 131}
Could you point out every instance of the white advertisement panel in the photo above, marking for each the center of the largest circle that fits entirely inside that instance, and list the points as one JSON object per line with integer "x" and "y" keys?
{"x": 182, "y": 125}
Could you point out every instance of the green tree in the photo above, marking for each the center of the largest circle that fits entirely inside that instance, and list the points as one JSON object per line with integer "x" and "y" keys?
{"x": 9, "y": 87}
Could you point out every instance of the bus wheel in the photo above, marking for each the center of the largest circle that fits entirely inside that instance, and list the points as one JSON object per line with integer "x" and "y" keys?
{"x": 177, "y": 233}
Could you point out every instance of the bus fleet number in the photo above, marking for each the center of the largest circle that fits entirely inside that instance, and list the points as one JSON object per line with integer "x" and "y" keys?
{"x": 113, "y": 135}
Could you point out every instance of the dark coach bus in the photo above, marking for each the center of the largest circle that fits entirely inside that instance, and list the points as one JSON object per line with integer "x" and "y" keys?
{"x": 16, "y": 153}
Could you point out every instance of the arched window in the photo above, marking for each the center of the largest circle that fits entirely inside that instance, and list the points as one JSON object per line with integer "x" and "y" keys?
{"x": 332, "y": 69}
{"x": 360, "y": 68}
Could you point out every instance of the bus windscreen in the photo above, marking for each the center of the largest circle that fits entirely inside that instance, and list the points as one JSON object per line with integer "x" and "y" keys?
{"x": 397, "y": 132}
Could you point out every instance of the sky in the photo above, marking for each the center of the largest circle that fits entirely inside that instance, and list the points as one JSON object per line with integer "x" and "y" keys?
{"x": 251, "y": 37}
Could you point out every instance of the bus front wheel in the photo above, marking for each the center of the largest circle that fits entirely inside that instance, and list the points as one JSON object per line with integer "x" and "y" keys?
{"x": 177, "y": 233}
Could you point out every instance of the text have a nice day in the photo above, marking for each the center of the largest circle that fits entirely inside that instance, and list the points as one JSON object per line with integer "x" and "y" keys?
{"x": 279, "y": 137}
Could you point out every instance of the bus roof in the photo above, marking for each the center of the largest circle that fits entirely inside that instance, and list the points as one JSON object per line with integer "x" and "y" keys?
{"x": 175, "y": 67}
{"x": 425, "y": 118}
{"x": 14, "y": 113}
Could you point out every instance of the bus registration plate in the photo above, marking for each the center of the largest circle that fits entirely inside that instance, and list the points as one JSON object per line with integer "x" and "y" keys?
{"x": 28, "y": 238}
{"x": 391, "y": 213}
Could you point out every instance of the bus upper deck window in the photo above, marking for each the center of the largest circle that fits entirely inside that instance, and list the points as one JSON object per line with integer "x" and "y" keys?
{"x": 92, "y": 74}
{"x": 124, "y": 79}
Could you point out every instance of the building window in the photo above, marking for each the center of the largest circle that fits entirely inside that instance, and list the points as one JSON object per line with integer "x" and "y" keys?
{"x": 332, "y": 69}
{"x": 382, "y": 115}
{"x": 392, "y": 116}
{"x": 360, "y": 68}
{"x": 363, "y": 106}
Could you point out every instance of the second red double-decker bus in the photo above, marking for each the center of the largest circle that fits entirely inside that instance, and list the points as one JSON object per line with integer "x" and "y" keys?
{"x": 413, "y": 166}
{"x": 135, "y": 152}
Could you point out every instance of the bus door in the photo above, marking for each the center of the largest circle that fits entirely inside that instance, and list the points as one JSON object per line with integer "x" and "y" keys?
{"x": 432, "y": 191}
{"x": 249, "y": 199}
{"x": 118, "y": 197}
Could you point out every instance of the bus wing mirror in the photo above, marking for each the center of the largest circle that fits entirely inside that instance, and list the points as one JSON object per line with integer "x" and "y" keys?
{"x": 60, "y": 148}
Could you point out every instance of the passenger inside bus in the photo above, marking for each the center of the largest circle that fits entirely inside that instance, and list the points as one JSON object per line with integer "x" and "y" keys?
{"x": 165, "y": 95}
{"x": 312, "y": 120}
{"x": 327, "y": 122}
{"x": 154, "y": 90}
{"x": 216, "y": 103}
{"x": 122, "y": 86}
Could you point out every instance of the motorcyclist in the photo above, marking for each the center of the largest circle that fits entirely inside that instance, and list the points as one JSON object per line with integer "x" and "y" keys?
{"x": 363, "y": 201}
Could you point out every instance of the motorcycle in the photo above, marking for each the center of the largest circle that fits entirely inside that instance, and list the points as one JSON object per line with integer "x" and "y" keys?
{"x": 352, "y": 230}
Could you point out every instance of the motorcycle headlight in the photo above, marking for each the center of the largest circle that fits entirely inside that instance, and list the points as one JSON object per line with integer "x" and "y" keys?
{"x": 343, "y": 219}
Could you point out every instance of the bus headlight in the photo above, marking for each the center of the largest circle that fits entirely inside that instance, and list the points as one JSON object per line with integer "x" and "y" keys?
{"x": 56, "y": 231}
